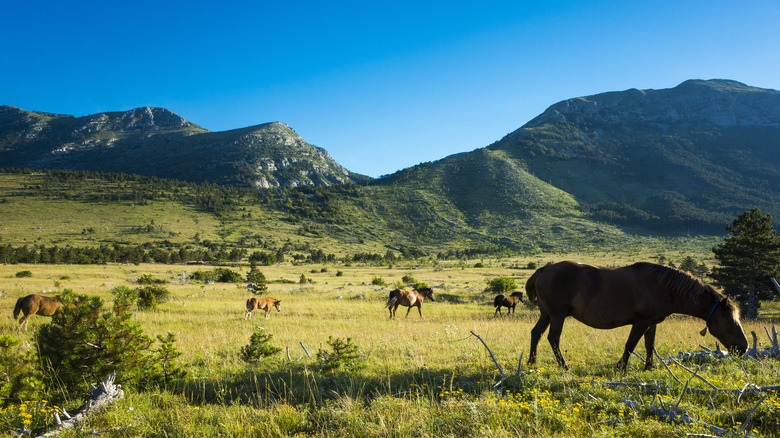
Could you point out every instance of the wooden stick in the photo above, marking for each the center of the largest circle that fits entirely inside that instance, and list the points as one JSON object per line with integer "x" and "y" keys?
{"x": 750, "y": 415}
{"x": 660, "y": 359}
{"x": 491, "y": 354}
{"x": 305, "y": 350}
{"x": 697, "y": 375}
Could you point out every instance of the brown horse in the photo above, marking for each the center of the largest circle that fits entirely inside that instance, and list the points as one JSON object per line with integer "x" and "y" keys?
{"x": 265, "y": 303}
{"x": 641, "y": 295}
{"x": 408, "y": 298}
{"x": 35, "y": 305}
{"x": 509, "y": 302}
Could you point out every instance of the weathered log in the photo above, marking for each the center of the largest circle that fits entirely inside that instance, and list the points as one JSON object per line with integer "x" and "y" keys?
{"x": 103, "y": 395}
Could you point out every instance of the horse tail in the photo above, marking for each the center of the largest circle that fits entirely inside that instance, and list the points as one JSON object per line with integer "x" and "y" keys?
{"x": 530, "y": 286}
{"x": 392, "y": 298}
{"x": 499, "y": 300}
{"x": 18, "y": 307}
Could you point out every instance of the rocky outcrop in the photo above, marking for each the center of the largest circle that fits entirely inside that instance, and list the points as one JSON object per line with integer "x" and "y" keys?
{"x": 157, "y": 142}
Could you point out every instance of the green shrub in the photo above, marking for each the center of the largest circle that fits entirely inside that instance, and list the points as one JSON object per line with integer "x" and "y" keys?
{"x": 204, "y": 276}
{"x": 164, "y": 360}
{"x": 378, "y": 281}
{"x": 501, "y": 285}
{"x": 149, "y": 279}
{"x": 221, "y": 275}
{"x": 84, "y": 343}
{"x": 20, "y": 378}
{"x": 225, "y": 275}
{"x": 343, "y": 355}
{"x": 259, "y": 347}
{"x": 150, "y": 296}
{"x": 258, "y": 279}
{"x": 408, "y": 279}
{"x": 22, "y": 274}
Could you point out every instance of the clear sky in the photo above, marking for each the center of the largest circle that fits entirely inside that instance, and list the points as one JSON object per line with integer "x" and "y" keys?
{"x": 380, "y": 85}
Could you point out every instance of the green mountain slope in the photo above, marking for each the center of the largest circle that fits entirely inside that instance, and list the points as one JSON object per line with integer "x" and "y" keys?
{"x": 683, "y": 159}
{"x": 157, "y": 142}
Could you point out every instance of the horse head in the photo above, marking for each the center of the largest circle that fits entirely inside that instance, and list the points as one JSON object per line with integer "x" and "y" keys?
{"x": 427, "y": 293}
{"x": 724, "y": 324}
{"x": 278, "y": 305}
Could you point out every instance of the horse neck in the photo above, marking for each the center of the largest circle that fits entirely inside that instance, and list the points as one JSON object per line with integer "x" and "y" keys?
{"x": 698, "y": 306}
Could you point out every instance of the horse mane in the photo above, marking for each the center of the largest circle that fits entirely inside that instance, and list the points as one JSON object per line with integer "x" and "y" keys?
{"x": 685, "y": 284}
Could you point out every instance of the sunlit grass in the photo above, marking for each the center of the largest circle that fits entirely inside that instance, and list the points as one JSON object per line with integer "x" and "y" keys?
{"x": 423, "y": 377}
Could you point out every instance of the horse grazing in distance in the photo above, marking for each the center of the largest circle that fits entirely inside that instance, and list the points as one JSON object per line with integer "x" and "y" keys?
{"x": 408, "y": 298}
{"x": 266, "y": 303}
{"x": 509, "y": 302}
{"x": 35, "y": 305}
{"x": 641, "y": 295}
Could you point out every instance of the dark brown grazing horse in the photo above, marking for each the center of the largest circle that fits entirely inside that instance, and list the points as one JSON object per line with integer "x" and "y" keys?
{"x": 35, "y": 305}
{"x": 408, "y": 298}
{"x": 640, "y": 295}
{"x": 509, "y": 302}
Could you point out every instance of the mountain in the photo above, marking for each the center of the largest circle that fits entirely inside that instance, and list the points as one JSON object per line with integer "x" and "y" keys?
{"x": 685, "y": 159}
{"x": 157, "y": 142}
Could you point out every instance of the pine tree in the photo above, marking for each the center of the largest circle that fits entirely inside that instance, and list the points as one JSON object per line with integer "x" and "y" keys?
{"x": 748, "y": 259}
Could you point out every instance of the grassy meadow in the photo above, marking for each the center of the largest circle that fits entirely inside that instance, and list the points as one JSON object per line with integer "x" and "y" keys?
{"x": 422, "y": 377}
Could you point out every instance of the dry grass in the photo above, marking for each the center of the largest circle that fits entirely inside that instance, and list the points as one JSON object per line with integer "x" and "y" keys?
{"x": 424, "y": 376}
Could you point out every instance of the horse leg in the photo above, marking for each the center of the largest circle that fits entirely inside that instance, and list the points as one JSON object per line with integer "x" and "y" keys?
{"x": 23, "y": 320}
{"x": 419, "y": 310}
{"x": 536, "y": 334}
{"x": 650, "y": 346}
{"x": 637, "y": 331}
{"x": 497, "y": 312}
{"x": 408, "y": 310}
{"x": 554, "y": 337}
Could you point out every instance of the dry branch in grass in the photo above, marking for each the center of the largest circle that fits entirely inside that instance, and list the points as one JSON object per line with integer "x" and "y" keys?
{"x": 672, "y": 415}
{"x": 103, "y": 395}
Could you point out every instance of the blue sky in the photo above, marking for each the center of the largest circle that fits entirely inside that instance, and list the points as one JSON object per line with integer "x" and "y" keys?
{"x": 380, "y": 85}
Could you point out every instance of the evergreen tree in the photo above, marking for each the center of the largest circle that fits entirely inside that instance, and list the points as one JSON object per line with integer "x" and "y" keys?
{"x": 748, "y": 259}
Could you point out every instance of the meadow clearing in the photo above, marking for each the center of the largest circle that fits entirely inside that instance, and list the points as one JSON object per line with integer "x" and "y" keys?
{"x": 422, "y": 376}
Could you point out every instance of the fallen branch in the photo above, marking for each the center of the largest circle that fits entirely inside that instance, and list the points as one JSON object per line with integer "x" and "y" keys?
{"x": 305, "y": 350}
{"x": 491, "y": 355}
{"x": 103, "y": 395}
{"x": 672, "y": 416}
{"x": 773, "y": 351}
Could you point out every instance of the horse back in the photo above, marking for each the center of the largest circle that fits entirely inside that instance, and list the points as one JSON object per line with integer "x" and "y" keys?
{"x": 558, "y": 285}
{"x": 34, "y": 304}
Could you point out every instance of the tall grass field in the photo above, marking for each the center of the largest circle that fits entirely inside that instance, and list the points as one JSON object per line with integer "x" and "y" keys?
{"x": 420, "y": 376}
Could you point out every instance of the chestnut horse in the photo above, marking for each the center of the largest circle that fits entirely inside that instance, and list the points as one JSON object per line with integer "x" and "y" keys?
{"x": 641, "y": 295}
{"x": 35, "y": 305}
{"x": 408, "y": 298}
{"x": 509, "y": 302}
{"x": 266, "y": 304}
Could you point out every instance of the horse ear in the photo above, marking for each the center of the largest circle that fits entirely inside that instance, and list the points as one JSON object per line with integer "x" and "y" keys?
{"x": 725, "y": 301}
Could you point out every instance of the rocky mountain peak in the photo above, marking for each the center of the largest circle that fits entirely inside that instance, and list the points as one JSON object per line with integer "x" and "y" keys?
{"x": 718, "y": 102}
